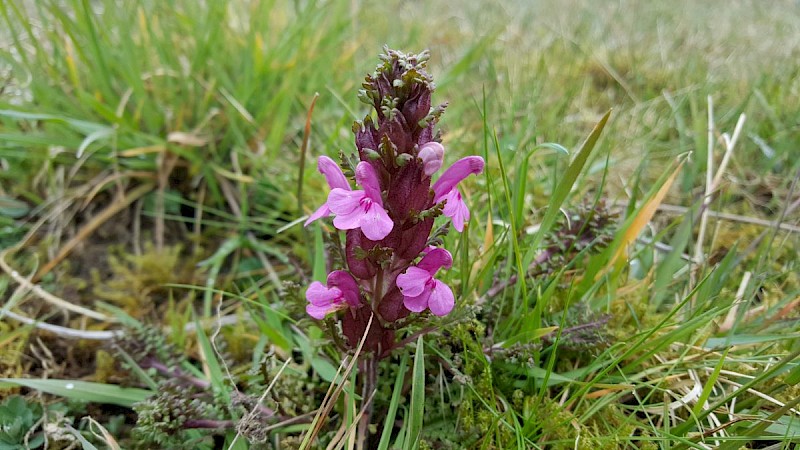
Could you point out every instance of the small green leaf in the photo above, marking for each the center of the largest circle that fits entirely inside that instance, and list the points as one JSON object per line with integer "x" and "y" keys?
{"x": 13, "y": 208}
{"x": 558, "y": 148}
{"x": 324, "y": 368}
{"x": 794, "y": 376}
{"x": 748, "y": 339}
{"x": 81, "y": 126}
{"x": 85, "y": 444}
{"x": 528, "y": 336}
{"x": 212, "y": 363}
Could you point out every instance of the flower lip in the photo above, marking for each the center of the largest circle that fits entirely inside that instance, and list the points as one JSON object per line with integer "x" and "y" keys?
{"x": 441, "y": 301}
{"x": 413, "y": 281}
{"x": 342, "y": 202}
{"x": 355, "y": 209}
{"x": 361, "y": 209}
{"x": 319, "y": 295}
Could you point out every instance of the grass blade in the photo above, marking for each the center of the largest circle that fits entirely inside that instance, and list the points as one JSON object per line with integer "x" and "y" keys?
{"x": 417, "y": 407}
{"x": 565, "y": 185}
{"x": 84, "y": 390}
{"x": 643, "y": 217}
{"x": 393, "y": 403}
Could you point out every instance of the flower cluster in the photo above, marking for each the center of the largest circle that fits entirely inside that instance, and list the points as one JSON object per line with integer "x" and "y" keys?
{"x": 388, "y": 219}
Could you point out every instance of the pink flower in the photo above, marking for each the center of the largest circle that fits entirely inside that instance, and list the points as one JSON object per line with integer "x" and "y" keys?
{"x": 336, "y": 179}
{"x": 420, "y": 290}
{"x": 361, "y": 209}
{"x": 431, "y": 155}
{"x": 342, "y": 292}
{"x": 445, "y": 189}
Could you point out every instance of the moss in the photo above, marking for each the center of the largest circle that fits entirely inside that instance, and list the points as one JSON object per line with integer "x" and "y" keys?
{"x": 12, "y": 343}
{"x": 105, "y": 366}
{"x": 140, "y": 283}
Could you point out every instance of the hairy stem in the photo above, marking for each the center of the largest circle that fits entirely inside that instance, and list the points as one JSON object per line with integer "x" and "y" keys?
{"x": 369, "y": 370}
{"x": 208, "y": 424}
{"x": 151, "y": 363}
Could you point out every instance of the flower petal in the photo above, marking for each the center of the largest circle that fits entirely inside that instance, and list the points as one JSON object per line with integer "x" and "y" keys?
{"x": 456, "y": 209}
{"x": 368, "y": 179}
{"x": 342, "y": 201}
{"x": 319, "y": 312}
{"x": 412, "y": 281}
{"x": 347, "y": 285}
{"x": 454, "y": 174}
{"x": 431, "y": 155}
{"x": 349, "y": 221}
{"x": 434, "y": 260}
{"x": 441, "y": 300}
{"x": 418, "y": 303}
{"x": 322, "y": 211}
{"x": 333, "y": 174}
{"x": 375, "y": 223}
{"x": 319, "y": 295}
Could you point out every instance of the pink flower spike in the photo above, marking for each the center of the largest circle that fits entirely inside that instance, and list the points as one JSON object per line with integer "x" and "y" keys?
{"x": 341, "y": 292}
{"x": 420, "y": 290}
{"x": 431, "y": 155}
{"x": 361, "y": 209}
{"x": 335, "y": 178}
{"x": 461, "y": 169}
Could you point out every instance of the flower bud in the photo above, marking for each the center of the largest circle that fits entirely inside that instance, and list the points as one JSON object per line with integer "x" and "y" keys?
{"x": 371, "y": 154}
{"x": 431, "y": 155}
{"x": 403, "y": 159}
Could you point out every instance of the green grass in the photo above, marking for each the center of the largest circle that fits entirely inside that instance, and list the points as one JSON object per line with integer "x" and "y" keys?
{"x": 149, "y": 164}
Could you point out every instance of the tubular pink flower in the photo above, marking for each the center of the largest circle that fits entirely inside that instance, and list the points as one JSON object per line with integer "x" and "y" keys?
{"x": 361, "y": 209}
{"x": 420, "y": 290}
{"x": 445, "y": 189}
{"x": 341, "y": 292}
{"x": 336, "y": 180}
{"x": 431, "y": 155}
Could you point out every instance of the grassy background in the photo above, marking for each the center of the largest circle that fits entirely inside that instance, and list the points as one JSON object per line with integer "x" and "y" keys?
{"x": 150, "y": 163}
